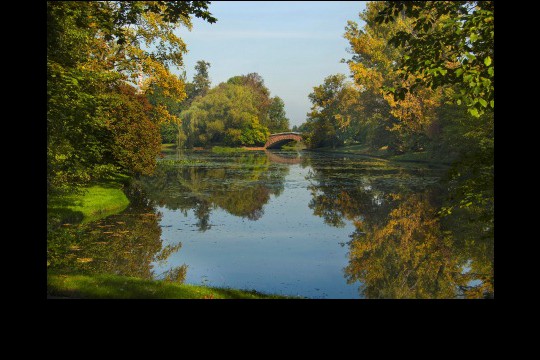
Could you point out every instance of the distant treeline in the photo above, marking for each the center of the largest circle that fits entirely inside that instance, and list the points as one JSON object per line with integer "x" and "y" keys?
{"x": 237, "y": 112}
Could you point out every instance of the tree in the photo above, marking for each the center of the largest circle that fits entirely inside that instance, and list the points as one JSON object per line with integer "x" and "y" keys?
{"x": 375, "y": 67}
{"x": 261, "y": 94}
{"x": 277, "y": 118}
{"x": 201, "y": 80}
{"x": 331, "y": 112}
{"x": 167, "y": 106}
{"x": 93, "y": 48}
{"x": 135, "y": 141}
{"x": 228, "y": 115}
{"x": 449, "y": 43}
{"x": 197, "y": 88}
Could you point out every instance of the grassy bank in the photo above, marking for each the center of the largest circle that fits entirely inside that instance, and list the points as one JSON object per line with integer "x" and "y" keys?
{"x": 104, "y": 286}
{"x": 92, "y": 203}
{"x": 383, "y": 153}
{"x": 355, "y": 149}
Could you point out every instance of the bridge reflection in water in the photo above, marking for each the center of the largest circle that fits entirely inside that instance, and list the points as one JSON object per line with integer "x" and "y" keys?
{"x": 281, "y": 159}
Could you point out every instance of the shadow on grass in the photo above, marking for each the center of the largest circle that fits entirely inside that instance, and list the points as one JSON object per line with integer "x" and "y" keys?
{"x": 59, "y": 212}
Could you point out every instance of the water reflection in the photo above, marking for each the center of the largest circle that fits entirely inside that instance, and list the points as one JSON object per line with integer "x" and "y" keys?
{"x": 289, "y": 158}
{"x": 317, "y": 225}
{"x": 240, "y": 184}
{"x": 402, "y": 247}
{"x": 124, "y": 244}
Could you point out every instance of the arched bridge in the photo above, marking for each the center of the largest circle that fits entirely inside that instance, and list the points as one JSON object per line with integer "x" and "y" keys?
{"x": 278, "y": 140}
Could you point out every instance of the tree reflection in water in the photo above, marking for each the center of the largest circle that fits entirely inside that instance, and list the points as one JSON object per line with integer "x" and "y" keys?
{"x": 239, "y": 184}
{"x": 124, "y": 244}
{"x": 402, "y": 246}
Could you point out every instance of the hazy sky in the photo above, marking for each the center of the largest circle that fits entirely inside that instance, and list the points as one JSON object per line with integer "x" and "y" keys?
{"x": 293, "y": 45}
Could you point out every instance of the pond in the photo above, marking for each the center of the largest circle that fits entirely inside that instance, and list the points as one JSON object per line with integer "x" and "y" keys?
{"x": 317, "y": 225}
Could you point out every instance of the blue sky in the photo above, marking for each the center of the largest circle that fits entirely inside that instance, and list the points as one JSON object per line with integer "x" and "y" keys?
{"x": 293, "y": 45}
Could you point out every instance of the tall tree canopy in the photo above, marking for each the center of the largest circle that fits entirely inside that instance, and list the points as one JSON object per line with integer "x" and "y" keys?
{"x": 449, "y": 43}
{"x": 375, "y": 67}
{"x": 228, "y": 115}
{"x": 201, "y": 79}
{"x": 277, "y": 118}
{"x": 94, "y": 50}
{"x": 331, "y": 112}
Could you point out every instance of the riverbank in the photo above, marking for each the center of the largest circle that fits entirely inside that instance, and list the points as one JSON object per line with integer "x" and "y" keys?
{"x": 415, "y": 157}
{"x": 86, "y": 205}
{"x": 106, "y": 286}
{"x": 229, "y": 149}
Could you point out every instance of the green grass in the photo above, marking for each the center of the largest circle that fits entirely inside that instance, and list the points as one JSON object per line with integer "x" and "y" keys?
{"x": 90, "y": 203}
{"x": 104, "y": 286}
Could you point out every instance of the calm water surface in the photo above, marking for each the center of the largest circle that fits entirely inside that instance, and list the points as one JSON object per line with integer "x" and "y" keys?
{"x": 308, "y": 224}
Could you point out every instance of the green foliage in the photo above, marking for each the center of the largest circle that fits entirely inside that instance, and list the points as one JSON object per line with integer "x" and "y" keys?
{"x": 450, "y": 43}
{"x": 173, "y": 129}
{"x": 420, "y": 118}
{"x": 201, "y": 80}
{"x": 239, "y": 112}
{"x": 135, "y": 138}
{"x": 227, "y": 115}
{"x": 423, "y": 74}
{"x": 94, "y": 49}
{"x": 169, "y": 133}
{"x": 333, "y": 110}
{"x": 261, "y": 95}
{"x": 277, "y": 118}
